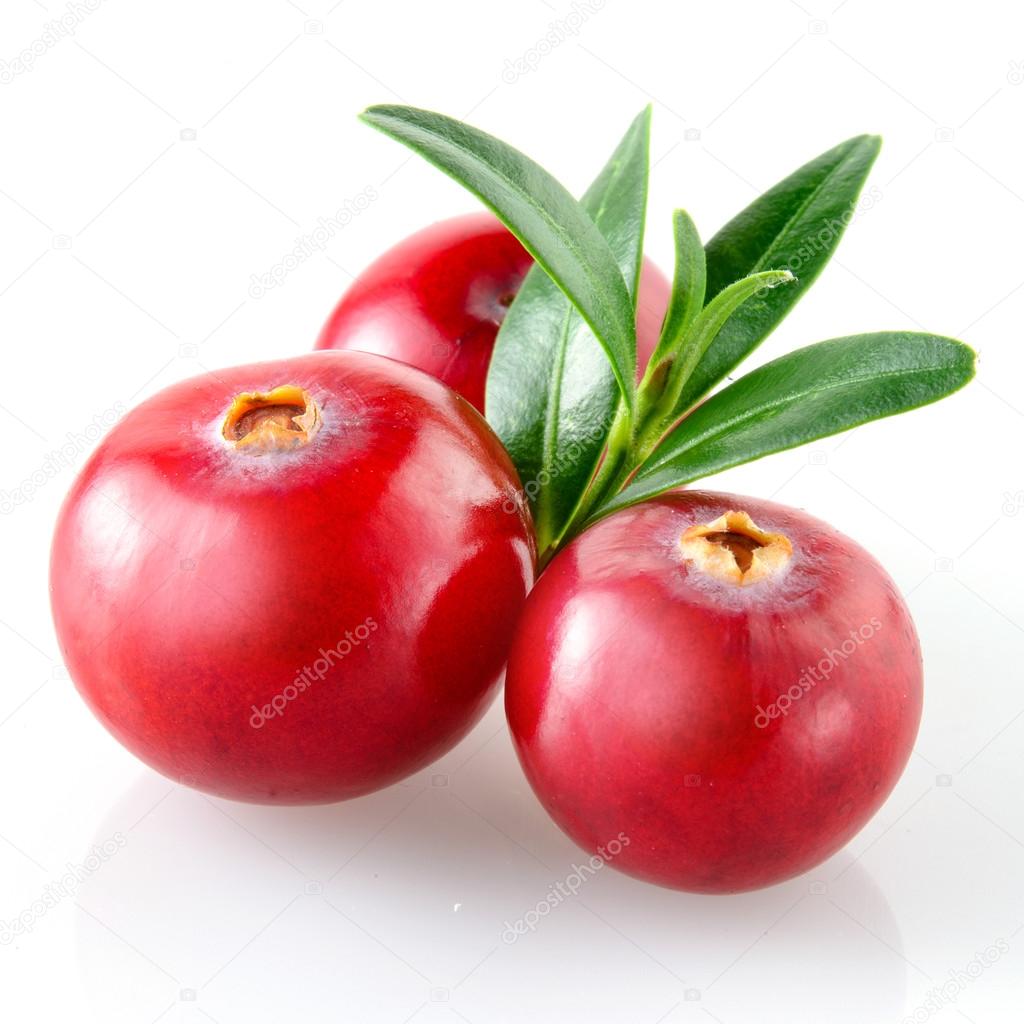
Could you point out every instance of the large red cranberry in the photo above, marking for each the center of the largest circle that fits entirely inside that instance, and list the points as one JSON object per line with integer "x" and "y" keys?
{"x": 437, "y": 299}
{"x": 293, "y": 581}
{"x": 730, "y": 684}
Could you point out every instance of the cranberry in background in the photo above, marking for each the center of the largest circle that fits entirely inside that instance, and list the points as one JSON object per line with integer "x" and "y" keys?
{"x": 436, "y": 300}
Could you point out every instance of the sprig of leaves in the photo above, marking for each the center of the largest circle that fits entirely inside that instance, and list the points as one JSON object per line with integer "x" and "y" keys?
{"x": 560, "y": 389}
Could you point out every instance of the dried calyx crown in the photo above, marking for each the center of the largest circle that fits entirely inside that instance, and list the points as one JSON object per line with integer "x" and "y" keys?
{"x": 734, "y": 549}
{"x": 261, "y": 422}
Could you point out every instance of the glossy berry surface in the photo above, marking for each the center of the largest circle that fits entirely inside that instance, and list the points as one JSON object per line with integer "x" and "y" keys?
{"x": 293, "y": 581}
{"x": 436, "y": 300}
{"x": 737, "y": 725}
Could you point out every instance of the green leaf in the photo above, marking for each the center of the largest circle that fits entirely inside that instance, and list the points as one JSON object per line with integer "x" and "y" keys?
{"x": 796, "y": 226}
{"x": 695, "y": 342}
{"x": 689, "y": 281}
{"x": 551, "y": 394}
{"x": 617, "y": 200}
{"x": 809, "y": 394}
{"x": 539, "y": 212}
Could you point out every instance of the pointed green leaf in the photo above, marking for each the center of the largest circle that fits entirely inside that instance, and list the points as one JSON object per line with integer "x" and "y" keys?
{"x": 551, "y": 395}
{"x": 809, "y": 394}
{"x": 539, "y": 212}
{"x": 708, "y": 324}
{"x": 689, "y": 281}
{"x": 796, "y": 226}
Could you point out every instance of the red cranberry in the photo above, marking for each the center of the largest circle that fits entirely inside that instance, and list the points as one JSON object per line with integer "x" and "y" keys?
{"x": 437, "y": 299}
{"x": 731, "y": 684}
{"x": 294, "y": 581}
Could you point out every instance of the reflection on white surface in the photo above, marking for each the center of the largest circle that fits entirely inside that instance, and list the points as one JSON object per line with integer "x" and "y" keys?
{"x": 395, "y": 907}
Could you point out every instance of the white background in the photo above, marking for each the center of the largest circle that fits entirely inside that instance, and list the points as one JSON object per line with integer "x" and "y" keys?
{"x": 166, "y": 152}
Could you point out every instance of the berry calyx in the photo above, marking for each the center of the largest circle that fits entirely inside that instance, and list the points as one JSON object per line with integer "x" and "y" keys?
{"x": 735, "y": 550}
{"x": 260, "y": 422}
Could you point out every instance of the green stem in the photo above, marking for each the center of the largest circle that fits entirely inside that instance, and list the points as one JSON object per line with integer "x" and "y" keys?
{"x": 632, "y": 439}
{"x": 663, "y": 383}
{"x": 610, "y": 470}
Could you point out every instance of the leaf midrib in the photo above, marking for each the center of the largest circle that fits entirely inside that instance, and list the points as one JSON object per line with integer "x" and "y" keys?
{"x": 799, "y": 212}
{"x": 551, "y": 420}
{"x": 617, "y": 171}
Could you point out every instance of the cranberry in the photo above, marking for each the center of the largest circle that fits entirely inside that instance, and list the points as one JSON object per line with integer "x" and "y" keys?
{"x": 437, "y": 299}
{"x": 730, "y": 684}
{"x": 294, "y": 581}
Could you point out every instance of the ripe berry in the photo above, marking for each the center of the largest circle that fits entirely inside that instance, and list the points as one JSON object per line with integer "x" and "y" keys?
{"x": 295, "y": 581}
{"x": 437, "y": 299}
{"x": 731, "y": 684}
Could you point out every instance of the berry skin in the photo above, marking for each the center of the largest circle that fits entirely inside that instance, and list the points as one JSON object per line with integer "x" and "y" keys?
{"x": 436, "y": 300}
{"x": 735, "y": 694}
{"x": 292, "y": 582}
